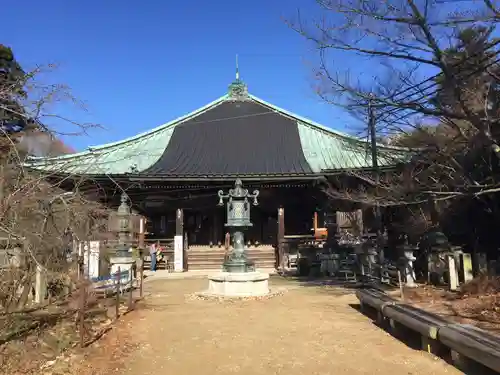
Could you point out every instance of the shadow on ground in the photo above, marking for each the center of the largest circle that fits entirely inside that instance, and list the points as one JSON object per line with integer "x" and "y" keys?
{"x": 412, "y": 340}
{"x": 324, "y": 284}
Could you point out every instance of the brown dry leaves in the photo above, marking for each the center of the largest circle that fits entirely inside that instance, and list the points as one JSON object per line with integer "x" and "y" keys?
{"x": 478, "y": 302}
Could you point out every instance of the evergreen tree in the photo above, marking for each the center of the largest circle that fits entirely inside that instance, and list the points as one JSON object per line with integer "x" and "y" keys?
{"x": 13, "y": 117}
{"x": 471, "y": 80}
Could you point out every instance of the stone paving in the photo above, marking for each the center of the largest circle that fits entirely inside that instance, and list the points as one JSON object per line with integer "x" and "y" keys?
{"x": 200, "y": 274}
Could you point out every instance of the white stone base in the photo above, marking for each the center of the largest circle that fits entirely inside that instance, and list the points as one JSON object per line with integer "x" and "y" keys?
{"x": 122, "y": 263}
{"x": 245, "y": 284}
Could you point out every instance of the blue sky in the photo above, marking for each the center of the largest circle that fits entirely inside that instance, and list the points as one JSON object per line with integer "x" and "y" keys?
{"x": 140, "y": 64}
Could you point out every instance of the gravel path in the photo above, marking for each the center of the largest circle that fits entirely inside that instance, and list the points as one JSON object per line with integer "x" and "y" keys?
{"x": 308, "y": 330}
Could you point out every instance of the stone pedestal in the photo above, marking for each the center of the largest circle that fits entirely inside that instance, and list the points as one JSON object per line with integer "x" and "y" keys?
{"x": 178, "y": 253}
{"x": 238, "y": 284}
{"x": 124, "y": 264}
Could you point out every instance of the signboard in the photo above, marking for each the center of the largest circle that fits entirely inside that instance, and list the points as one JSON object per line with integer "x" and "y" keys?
{"x": 91, "y": 255}
{"x": 178, "y": 254}
{"x": 93, "y": 259}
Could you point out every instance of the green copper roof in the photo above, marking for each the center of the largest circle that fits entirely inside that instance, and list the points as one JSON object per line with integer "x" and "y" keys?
{"x": 130, "y": 155}
{"x": 119, "y": 158}
{"x": 323, "y": 148}
{"x": 327, "y": 149}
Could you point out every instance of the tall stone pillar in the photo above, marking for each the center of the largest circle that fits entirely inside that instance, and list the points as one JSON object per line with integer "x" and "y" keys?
{"x": 178, "y": 241}
{"x": 281, "y": 238}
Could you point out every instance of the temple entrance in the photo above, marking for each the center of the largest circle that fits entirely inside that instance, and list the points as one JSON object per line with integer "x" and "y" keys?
{"x": 203, "y": 220}
{"x": 203, "y": 227}
{"x": 207, "y": 227}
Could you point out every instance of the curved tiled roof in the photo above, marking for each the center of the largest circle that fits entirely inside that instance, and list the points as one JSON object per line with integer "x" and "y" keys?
{"x": 232, "y": 136}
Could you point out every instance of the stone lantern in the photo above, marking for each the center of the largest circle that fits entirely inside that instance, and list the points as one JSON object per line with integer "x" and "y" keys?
{"x": 239, "y": 277}
{"x": 122, "y": 259}
{"x": 435, "y": 244}
{"x": 238, "y": 219}
{"x": 123, "y": 216}
{"x": 407, "y": 258}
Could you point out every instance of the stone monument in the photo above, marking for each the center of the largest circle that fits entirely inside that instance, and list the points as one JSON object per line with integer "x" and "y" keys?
{"x": 122, "y": 259}
{"x": 435, "y": 244}
{"x": 407, "y": 258}
{"x": 238, "y": 277}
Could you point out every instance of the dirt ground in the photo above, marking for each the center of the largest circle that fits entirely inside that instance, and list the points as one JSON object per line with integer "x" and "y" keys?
{"x": 308, "y": 329}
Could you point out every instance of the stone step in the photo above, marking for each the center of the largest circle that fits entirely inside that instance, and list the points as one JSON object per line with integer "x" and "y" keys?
{"x": 195, "y": 267}
{"x": 159, "y": 266}
{"x": 221, "y": 256}
{"x": 198, "y": 261}
{"x": 260, "y": 264}
{"x": 219, "y": 261}
{"x": 205, "y": 267}
{"x": 207, "y": 253}
{"x": 209, "y": 265}
{"x": 200, "y": 264}
{"x": 216, "y": 248}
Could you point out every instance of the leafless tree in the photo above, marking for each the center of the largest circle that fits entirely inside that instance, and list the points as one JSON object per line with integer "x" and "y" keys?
{"x": 442, "y": 104}
{"x": 39, "y": 221}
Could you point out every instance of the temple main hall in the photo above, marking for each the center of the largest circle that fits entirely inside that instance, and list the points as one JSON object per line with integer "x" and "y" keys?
{"x": 173, "y": 172}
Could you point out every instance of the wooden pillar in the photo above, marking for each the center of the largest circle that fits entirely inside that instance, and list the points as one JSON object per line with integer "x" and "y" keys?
{"x": 179, "y": 222}
{"x": 281, "y": 238}
{"x": 179, "y": 252}
{"x": 213, "y": 228}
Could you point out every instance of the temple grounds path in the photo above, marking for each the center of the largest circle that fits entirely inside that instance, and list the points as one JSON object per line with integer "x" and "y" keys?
{"x": 307, "y": 330}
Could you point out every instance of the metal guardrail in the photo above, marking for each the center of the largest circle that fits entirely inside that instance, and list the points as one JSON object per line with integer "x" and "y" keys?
{"x": 473, "y": 343}
{"x": 387, "y": 273}
{"x": 465, "y": 340}
{"x": 108, "y": 284}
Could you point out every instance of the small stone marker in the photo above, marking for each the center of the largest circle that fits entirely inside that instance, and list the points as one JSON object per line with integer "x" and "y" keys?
{"x": 452, "y": 270}
{"x": 40, "y": 284}
{"x": 492, "y": 268}
{"x": 467, "y": 267}
{"x": 480, "y": 263}
{"x": 430, "y": 267}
